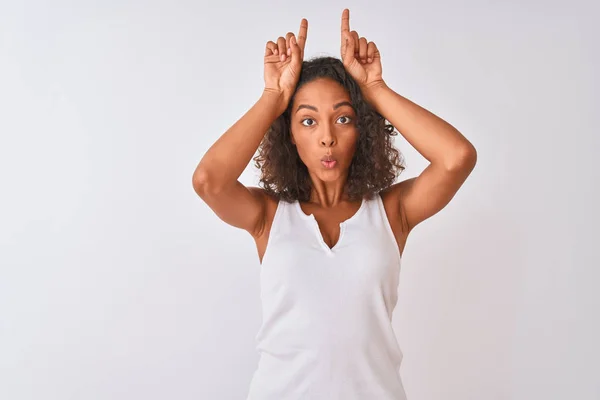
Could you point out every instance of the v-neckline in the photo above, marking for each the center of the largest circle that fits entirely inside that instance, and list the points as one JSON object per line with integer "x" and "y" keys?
{"x": 342, "y": 226}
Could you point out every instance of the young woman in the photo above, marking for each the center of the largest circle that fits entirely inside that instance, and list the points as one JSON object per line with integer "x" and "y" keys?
{"x": 329, "y": 223}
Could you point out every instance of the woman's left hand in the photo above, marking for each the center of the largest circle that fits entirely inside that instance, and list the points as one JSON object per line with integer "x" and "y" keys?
{"x": 361, "y": 59}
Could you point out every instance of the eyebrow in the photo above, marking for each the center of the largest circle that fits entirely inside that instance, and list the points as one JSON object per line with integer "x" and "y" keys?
{"x": 335, "y": 106}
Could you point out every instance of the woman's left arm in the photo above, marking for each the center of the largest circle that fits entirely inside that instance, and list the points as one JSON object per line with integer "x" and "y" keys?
{"x": 452, "y": 157}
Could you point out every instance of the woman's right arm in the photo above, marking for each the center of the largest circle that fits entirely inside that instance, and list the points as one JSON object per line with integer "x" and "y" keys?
{"x": 215, "y": 179}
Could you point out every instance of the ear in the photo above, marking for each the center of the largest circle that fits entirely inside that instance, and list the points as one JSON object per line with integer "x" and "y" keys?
{"x": 292, "y": 138}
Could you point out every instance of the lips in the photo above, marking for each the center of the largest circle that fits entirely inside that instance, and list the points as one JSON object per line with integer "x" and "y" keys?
{"x": 328, "y": 158}
{"x": 328, "y": 161}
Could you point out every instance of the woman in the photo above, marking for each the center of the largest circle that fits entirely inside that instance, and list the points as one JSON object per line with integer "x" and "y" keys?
{"x": 329, "y": 223}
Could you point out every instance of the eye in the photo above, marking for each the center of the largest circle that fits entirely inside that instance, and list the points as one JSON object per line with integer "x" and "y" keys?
{"x": 343, "y": 116}
{"x": 347, "y": 117}
{"x": 307, "y": 119}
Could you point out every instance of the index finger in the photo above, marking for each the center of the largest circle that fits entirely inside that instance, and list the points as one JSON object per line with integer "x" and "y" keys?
{"x": 345, "y": 21}
{"x": 302, "y": 33}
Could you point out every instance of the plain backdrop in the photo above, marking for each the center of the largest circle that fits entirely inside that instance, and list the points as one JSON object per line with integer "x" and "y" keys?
{"x": 117, "y": 282}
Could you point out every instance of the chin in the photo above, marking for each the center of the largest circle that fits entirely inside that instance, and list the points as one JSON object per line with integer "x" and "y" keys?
{"x": 330, "y": 174}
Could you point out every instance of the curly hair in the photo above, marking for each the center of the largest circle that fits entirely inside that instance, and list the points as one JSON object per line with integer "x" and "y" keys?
{"x": 376, "y": 162}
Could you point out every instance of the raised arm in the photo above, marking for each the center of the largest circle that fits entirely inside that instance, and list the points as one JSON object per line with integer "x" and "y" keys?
{"x": 452, "y": 157}
{"x": 215, "y": 179}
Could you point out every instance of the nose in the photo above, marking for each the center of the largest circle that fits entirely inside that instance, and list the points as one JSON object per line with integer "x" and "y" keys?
{"x": 327, "y": 139}
{"x": 328, "y": 142}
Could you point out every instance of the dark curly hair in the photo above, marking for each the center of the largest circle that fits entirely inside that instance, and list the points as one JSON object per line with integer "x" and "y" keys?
{"x": 376, "y": 163}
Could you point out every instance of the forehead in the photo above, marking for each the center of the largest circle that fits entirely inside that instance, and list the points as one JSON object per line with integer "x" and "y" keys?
{"x": 321, "y": 91}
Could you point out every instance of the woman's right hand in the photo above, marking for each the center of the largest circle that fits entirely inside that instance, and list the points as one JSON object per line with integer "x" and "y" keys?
{"x": 283, "y": 64}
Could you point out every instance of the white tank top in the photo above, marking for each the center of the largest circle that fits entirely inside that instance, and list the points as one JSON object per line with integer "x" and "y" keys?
{"x": 326, "y": 328}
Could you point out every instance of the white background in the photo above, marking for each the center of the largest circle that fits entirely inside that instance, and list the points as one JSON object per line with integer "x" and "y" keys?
{"x": 117, "y": 282}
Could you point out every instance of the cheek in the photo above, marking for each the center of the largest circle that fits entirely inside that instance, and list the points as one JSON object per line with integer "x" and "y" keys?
{"x": 304, "y": 143}
{"x": 305, "y": 151}
{"x": 348, "y": 146}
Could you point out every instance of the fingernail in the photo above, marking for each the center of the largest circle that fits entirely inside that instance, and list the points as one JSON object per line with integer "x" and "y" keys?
{"x": 289, "y": 51}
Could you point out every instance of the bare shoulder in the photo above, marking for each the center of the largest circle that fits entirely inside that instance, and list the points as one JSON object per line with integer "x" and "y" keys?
{"x": 261, "y": 236}
{"x": 270, "y": 203}
{"x": 391, "y": 198}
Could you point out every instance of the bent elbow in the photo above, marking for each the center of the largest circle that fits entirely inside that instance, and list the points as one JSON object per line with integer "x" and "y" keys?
{"x": 466, "y": 158}
{"x": 201, "y": 181}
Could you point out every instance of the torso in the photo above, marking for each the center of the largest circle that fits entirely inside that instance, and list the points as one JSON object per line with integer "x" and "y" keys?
{"x": 329, "y": 220}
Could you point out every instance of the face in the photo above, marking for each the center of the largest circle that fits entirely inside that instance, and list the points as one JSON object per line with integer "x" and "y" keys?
{"x": 323, "y": 123}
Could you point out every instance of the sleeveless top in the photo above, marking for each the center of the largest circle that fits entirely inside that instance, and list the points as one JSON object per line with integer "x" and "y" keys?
{"x": 326, "y": 330}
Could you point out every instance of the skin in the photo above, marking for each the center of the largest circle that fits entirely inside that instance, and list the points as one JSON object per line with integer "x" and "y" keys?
{"x": 326, "y": 131}
{"x": 316, "y": 133}
{"x": 318, "y": 129}
{"x": 451, "y": 156}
